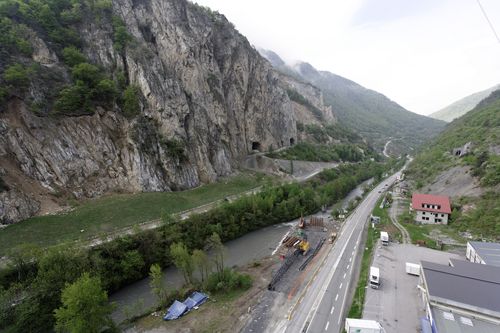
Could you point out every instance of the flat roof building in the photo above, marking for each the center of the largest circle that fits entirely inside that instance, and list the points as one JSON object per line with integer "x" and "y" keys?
{"x": 461, "y": 298}
{"x": 483, "y": 253}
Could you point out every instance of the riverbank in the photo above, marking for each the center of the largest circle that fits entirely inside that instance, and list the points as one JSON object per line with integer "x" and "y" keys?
{"x": 222, "y": 313}
{"x": 124, "y": 260}
{"x": 137, "y": 299}
{"x": 258, "y": 246}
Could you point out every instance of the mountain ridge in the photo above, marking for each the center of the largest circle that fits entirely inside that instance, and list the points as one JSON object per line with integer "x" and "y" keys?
{"x": 462, "y": 106}
{"x": 371, "y": 113}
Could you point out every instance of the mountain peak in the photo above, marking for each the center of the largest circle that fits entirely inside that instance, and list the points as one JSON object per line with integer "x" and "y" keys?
{"x": 272, "y": 57}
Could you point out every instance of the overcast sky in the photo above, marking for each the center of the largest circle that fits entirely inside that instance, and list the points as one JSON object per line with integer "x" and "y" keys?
{"x": 423, "y": 54}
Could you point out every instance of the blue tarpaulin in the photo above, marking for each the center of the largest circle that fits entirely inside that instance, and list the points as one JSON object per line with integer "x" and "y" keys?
{"x": 196, "y": 299}
{"x": 175, "y": 311}
{"x": 426, "y": 325}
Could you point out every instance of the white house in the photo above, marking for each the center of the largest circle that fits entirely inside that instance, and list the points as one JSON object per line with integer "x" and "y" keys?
{"x": 431, "y": 209}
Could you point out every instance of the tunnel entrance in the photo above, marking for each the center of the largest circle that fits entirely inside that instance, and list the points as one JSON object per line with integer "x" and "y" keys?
{"x": 256, "y": 145}
{"x": 292, "y": 141}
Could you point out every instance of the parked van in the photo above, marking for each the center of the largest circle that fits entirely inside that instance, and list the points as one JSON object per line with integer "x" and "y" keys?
{"x": 384, "y": 237}
{"x": 374, "y": 277}
{"x": 413, "y": 269}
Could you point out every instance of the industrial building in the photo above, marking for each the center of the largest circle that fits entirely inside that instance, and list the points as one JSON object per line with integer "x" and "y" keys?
{"x": 483, "y": 253}
{"x": 460, "y": 298}
{"x": 431, "y": 209}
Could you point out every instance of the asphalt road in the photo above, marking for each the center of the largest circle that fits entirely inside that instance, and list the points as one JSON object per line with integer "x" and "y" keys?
{"x": 323, "y": 307}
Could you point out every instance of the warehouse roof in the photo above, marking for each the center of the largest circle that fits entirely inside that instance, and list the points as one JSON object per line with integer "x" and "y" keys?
{"x": 448, "y": 322}
{"x": 489, "y": 252}
{"x": 466, "y": 285}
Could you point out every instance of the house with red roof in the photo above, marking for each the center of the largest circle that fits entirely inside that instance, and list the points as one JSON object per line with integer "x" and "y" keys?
{"x": 431, "y": 209}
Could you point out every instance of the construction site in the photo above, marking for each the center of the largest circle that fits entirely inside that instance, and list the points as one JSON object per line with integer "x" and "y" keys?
{"x": 300, "y": 252}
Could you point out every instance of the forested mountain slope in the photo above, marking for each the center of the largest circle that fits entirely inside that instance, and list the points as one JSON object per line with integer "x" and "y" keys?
{"x": 480, "y": 127}
{"x": 371, "y": 114}
{"x": 462, "y": 106}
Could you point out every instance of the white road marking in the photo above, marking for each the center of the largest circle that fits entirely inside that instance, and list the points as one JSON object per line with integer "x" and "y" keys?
{"x": 327, "y": 324}
{"x": 344, "y": 275}
{"x": 340, "y": 286}
{"x": 336, "y": 297}
{"x": 348, "y": 266}
{"x": 331, "y": 311}
{"x": 350, "y": 259}
{"x": 345, "y": 294}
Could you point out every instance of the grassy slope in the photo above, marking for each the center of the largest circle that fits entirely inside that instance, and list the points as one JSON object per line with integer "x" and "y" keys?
{"x": 385, "y": 223}
{"x": 482, "y": 127}
{"x": 114, "y": 212}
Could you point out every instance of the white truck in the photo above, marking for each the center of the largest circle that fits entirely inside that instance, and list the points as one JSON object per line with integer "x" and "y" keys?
{"x": 362, "y": 326}
{"x": 384, "y": 237}
{"x": 374, "y": 277}
{"x": 413, "y": 269}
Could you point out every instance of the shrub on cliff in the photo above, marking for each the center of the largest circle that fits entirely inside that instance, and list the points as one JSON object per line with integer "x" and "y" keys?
{"x": 72, "y": 56}
{"x": 17, "y": 76}
{"x": 131, "y": 106}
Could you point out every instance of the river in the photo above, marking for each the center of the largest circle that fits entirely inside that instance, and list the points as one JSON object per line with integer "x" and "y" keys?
{"x": 136, "y": 298}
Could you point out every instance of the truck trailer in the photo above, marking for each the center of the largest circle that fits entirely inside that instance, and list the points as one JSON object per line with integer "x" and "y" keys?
{"x": 374, "y": 277}
{"x": 384, "y": 237}
{"x": 362, "y": 326}
{"x": 413, "y": 269}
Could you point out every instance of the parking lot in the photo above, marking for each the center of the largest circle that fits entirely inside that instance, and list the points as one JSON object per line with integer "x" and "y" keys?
{"x": 396, "y": 305}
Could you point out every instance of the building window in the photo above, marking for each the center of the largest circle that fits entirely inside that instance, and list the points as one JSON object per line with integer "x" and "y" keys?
{"x": 423, "y": 213}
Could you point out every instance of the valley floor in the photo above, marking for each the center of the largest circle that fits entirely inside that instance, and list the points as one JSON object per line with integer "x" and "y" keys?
{"x": 101, "y": 217}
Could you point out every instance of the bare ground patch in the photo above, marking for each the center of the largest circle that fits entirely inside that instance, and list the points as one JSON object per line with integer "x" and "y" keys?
{"x": 456, "y": 182}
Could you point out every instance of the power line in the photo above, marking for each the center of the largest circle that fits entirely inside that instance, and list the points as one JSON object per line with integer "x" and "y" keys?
{"x": 488, "y": 20}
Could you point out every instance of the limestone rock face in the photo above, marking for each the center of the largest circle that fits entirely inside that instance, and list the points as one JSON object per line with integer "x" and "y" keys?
{"x": 16, "y": 206}
{"x": 203, "y": 87}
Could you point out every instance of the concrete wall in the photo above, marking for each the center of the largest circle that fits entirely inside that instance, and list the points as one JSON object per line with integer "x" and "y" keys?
{"x": 472, "y": 255}
{"x": 431, "y": 217}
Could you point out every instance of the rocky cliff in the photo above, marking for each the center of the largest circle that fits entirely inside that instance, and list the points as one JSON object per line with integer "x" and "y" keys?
{"x": 207, "y": 98}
